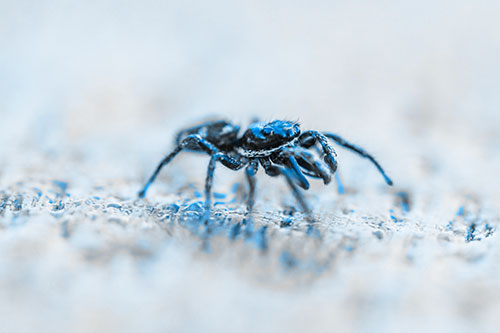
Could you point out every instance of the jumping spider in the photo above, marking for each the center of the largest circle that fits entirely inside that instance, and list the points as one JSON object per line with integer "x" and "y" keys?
{"x": 279, "y": 146}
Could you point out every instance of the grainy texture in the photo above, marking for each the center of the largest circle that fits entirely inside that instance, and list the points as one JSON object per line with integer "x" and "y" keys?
{"x": 91, "y": 103}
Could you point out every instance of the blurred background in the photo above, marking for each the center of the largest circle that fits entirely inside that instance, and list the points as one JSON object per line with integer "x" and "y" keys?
{"x": 116, "y": 80}
{"x": 93, "y": 92}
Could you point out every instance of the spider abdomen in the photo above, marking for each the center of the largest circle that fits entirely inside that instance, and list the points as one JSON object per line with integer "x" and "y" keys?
{"x": 220, "y": 133}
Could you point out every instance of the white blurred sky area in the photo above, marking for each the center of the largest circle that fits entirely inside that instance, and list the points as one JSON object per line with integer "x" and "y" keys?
{"x": 405, "y": 78}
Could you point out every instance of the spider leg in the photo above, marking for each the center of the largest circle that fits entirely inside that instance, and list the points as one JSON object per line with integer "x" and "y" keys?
{"x": 287, "y": 158}
{"x": 275, "y": 170}
{"x": 310, "y": 165}
{"x": 202, "y": 143}
{"x": 359, "y": 151}
{"x": 229, "y": 162}
{"x": 340, "y": 186}
{"x": 251, "y": 170}
{"x": 309, "y": 138}
{"x": 313, "y": 168}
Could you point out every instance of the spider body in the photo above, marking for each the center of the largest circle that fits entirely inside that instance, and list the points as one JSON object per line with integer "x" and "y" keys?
{"x": 219, "y": 133}
{"x": 269, "y": 136}
{"x": 278, "y": 146}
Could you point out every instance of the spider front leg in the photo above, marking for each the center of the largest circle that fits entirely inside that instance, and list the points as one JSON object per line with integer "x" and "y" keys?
{"x": 310, "y": 166}
{"x": 309, "y": 139}
{"x": 314, "y": 168}
{"x": 202, "y": 143}
{"x": 275, "y": 170}
{"x": 287, "y": 158}
{"x": 359, "y": 151}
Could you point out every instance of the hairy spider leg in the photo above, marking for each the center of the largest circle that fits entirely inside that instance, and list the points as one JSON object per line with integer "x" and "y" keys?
{"x": 228, "y": 162}
{"x": 204, "y": 144}
{"x": 340, "y": 186}
{"x": 310, "y": 165}
{"x": 251, "y": 171}
{"x": 275, "y": 170}
{"x": 309, "y": 138}
{"x": 360, "y": 151}
{"x": 287, "y": 158}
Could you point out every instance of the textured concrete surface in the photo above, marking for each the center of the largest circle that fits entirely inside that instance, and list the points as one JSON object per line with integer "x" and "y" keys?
{"x": 92, "y": 94}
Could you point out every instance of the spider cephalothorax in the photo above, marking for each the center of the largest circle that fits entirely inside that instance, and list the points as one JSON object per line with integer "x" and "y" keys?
{"x": 267, "y": 137}
{"x": 278, "y": 146}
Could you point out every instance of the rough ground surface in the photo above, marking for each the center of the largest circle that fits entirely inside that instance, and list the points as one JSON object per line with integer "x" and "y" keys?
{"x": 92, "y": 100}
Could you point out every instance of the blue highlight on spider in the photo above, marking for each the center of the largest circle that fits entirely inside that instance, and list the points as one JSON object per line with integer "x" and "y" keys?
{"x": 279, "y": 147}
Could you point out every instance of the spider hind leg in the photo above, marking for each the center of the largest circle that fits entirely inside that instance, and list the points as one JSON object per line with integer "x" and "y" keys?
{"x": 227, "y": 161}
{"x": 251, "y": 171}
{"x": 190, "y": 140}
